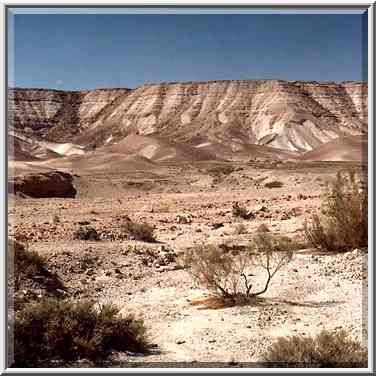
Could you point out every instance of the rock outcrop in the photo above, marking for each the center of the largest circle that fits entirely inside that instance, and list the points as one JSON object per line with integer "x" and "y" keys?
{"x": 289, "y": 115}
{"x": 46, "y": 184}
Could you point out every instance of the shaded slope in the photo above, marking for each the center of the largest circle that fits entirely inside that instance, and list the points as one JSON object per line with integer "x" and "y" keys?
{"x": 351, "y": 148}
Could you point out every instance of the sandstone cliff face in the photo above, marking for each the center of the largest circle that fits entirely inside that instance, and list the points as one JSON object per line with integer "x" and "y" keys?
{"x": 290, "y": 115}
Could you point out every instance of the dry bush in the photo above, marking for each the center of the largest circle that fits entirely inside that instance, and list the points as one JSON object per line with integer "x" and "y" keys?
{"x": 87, "y": 261}
{"x": 30, "y": 271}
{"x": 86, "y": 233}
{"x": 138, "y": 231}
{"x": 240, "y": 229}
{"x": 56, "y": 219}
{"x": 328, "y": 349}
{"x": 343, "y": 223}
{"x": 225, "y": 272}
{"x": 263, "y": 227}
{"x": 217, "y": 270}
{"x": 26, "y": 263}
{"x": 52, "y": 330}
{"x": 273, "y": 184}
{"x": 240, "y": 211}
{"x": 221, "y": 170}
{"x": 271, "y": 253}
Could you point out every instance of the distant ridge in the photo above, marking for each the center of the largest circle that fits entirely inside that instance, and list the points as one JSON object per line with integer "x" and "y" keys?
{"x": 290, "y": 116}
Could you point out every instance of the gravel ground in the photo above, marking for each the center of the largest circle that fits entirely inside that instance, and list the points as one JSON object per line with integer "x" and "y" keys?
{"x": 314, "y": 292}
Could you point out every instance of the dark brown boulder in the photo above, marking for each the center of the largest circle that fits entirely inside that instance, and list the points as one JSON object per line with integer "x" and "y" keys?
{"x": 44, "y": 184}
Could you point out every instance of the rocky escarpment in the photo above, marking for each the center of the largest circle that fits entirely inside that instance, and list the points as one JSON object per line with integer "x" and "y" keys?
{"x": 57, "y": 115}
{"x": 47, "y": 184}
{"x": 290, "y": 115}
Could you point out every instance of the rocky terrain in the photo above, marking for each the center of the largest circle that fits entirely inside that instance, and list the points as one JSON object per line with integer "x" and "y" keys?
{"x": 178, "y": 157}
{"x": 187, "y": 206}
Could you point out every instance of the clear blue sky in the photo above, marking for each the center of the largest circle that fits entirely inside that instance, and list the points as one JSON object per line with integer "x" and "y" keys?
{"x": 78, "y": 51}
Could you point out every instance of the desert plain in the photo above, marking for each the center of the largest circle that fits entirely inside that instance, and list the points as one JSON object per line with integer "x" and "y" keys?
{"x": 183, "y": 178}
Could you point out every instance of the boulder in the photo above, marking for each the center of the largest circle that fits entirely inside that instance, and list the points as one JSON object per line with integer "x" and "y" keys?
{"x": 44, "y": 184}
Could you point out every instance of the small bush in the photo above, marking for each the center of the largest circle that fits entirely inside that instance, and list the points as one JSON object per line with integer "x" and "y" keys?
{"x": 240, "y": 229}
{"x": 52, "y": 330}
{"x": 271, "y": 253}
{"x": 87, "y": 261}
{"x": 273, "y": 184}
{"x": 86, "y": 233}
{"x": 240, "y": 211}
{"x": 139, "y": 231}
{"x": 217, "y": 270}
{"x": 221, "y": 170}
{"x": 26, "y": 263}
{"x": 327, "y": 350}
{"x": 343, "y": 223}
{"x": 224, "y": 271}
{"x": 30, "y": 271}
{"x": 263, "y": 228}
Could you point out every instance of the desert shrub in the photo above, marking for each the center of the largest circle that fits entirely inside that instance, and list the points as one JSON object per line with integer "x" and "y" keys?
{"x": 86, "y": 233}
{"x": 240, "y": 211}
{"x": 278, "y": 241}
{"x": 87, "y": 261}
{"x": 26, "y": 263}
{"x": 30, "y": 270}
{"x": 273, "y": 184}
{"x": 217, "y": 270}
{"x": 223, "y": 271}
{"x": 271, "y": 253}
{"x": 221, "y": 170}
{"x": 240, "y": 229}
{"x": 138, "y": 231}
{"x": 343, "y": 221}
{"x": 51, "y": 330}
{"x": 263, "y": 228}
{"x": 327, "y": 349}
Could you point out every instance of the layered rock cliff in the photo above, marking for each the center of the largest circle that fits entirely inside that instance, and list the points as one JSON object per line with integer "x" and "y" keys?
{"x": 290, "y": 115}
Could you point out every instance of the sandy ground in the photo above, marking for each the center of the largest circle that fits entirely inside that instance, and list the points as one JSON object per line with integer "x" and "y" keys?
{"x": 190, "y": 205}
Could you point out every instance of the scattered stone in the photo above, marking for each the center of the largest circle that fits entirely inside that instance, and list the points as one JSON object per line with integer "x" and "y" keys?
{"x": 183, "y": 219}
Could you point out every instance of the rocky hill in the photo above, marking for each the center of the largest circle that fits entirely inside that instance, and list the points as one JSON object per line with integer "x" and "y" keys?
{"x": 294, "y": 116}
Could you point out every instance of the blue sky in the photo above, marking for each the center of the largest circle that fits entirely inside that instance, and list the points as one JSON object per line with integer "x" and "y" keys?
{"x": 84, "y": 51}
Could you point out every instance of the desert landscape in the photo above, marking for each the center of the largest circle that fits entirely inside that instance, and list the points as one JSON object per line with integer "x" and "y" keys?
{"x": 113, "y": 188}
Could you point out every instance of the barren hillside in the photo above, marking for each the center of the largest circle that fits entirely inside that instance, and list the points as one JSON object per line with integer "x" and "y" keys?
{"x": 219, "y": 116}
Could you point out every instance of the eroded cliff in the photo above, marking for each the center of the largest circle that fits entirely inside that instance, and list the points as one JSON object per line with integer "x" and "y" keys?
{"x": 290, "y": 115}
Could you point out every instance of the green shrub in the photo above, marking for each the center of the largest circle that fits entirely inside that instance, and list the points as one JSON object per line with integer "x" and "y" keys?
{"x": 52, "y": 330}
{"x": 343, "y": 222}
{"x": 328, "y": 349}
